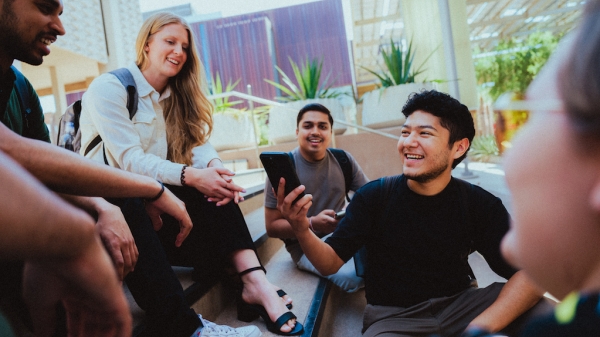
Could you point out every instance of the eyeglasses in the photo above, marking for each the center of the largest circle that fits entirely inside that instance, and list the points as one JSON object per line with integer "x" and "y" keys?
{"x": 510, "y": 101}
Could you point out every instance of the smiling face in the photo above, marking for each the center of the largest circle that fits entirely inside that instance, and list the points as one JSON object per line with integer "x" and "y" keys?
{"x": 553, "y": 176}
{"x": 424, "y": 149}
{"x": 314, "y": 135}
{"x": 167, "y": 52}
{"x": 28, "y": 28}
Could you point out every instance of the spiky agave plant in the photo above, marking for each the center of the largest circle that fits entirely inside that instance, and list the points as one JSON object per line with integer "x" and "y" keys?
{"x": 216, "y": 87}
{"x": 399, "y": 65}
{"x": 308, "y": 77}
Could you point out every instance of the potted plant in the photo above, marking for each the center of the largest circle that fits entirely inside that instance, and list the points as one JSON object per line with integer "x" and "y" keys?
{"x": 307, "y": 88}
{"x": 510, "y": 68}
{"x": 381, "y": 107}
{"x": 232, "y": 128}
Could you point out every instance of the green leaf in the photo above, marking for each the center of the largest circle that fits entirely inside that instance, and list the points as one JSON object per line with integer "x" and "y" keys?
{"x": 398, "y": 65}
{"x": 307, "y": 85}
{"x": 223, "y": 104}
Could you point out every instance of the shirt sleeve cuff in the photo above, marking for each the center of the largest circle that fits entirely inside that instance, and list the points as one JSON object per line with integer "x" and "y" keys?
{"x": 203, "y": 154}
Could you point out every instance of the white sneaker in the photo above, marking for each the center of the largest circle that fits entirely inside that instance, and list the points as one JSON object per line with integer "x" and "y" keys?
{"x": 211, "y": 329}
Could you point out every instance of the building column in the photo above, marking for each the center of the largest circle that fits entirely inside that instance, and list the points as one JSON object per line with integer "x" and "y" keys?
{"x": 60, "y": 99}
{"x": 122, "y": 20}
{"x": 424, "y": 24}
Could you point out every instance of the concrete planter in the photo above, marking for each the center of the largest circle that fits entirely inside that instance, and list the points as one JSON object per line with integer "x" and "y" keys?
{"x": 282, "y": 119}
{"x": 232, "y": 130}
{"x": 383, "y": 107}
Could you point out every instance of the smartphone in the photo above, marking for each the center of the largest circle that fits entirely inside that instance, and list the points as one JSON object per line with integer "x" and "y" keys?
{"x": 277, "y": 165}
{"x": 339, "y": 214}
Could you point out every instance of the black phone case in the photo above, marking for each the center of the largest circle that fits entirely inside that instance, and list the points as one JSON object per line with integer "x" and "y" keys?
{"x": 277, "y": 165}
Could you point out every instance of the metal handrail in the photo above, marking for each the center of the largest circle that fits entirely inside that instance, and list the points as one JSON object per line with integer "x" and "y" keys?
{"x": 274, "y": 103}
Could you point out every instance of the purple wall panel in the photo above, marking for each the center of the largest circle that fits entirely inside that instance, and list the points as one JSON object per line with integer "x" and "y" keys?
{"x": 238, "y": 50}
{"x": 239, "y": 46}
{"x": 313, "y": 30}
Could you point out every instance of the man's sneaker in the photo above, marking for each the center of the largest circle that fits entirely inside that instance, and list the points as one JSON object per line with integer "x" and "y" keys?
{"x": 211, "y": 329}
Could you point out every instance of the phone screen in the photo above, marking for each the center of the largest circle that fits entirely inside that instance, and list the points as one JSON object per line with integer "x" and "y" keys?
{"x": 277, "y": 165}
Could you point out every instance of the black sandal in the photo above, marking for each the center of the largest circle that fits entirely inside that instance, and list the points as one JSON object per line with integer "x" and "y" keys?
{"x": 249, "y": 312}
{"x": 280, "y": 292}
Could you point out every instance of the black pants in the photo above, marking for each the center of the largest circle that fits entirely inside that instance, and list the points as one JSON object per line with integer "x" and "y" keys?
{"x": 217, "y": 232}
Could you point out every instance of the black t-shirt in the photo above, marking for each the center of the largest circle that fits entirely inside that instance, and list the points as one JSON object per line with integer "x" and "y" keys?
{"x": 417, "y": 246}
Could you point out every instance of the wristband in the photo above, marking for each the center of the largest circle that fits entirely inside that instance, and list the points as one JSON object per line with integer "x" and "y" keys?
{"x": 182, "y": 178}
{"x": 310, "y": 224}
{"x": 162, "y": 190}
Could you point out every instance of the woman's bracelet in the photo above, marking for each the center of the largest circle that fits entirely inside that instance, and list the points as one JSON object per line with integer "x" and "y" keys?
{"x": 183, "y": 175}
{"x": 162, "y": 190}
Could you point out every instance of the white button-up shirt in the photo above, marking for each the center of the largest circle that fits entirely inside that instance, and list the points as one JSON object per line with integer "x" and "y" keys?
{"x": 138, "y": 145}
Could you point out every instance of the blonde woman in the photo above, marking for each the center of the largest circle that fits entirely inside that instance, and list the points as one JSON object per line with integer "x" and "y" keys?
{"x": 167, "y": 140}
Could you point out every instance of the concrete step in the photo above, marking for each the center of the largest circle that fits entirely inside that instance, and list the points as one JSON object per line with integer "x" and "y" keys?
{"x": 315, "y": 305}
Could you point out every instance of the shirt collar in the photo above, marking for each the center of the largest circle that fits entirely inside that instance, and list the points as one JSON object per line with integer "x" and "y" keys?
{"x": 143, "y": 87}
{"x": 8, "y": 76}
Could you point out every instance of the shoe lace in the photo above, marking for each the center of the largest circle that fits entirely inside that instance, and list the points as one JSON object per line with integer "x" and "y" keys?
{"x": 210, "y": 327}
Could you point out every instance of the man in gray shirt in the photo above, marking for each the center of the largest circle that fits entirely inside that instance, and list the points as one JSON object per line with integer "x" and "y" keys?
{"x": 319, "y": 170}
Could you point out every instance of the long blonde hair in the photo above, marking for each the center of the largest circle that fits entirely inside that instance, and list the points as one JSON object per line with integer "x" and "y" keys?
{"x": 187, "y": 112}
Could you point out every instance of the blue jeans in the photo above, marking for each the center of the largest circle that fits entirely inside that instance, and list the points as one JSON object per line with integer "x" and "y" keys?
{"x": 345, "y": 278}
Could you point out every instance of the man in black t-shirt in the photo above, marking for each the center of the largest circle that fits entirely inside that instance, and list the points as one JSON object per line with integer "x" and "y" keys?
{"x": 419, "y": 229}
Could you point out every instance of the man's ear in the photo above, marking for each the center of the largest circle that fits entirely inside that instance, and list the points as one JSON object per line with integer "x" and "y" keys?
{"x": 460, "y": 147}
{"x": 296, "y": 132}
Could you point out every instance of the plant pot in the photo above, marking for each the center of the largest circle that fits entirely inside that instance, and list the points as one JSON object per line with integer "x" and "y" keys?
{"x": 383, "y": 107}
{"x": 282, "y": 119}
{"x": 232, "y": 130}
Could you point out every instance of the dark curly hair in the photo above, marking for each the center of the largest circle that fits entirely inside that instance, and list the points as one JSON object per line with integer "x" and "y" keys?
{"x": 453, "y": 115}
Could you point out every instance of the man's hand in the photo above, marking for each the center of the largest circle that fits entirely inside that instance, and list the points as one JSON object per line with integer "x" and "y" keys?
{"x": 170, "y": 204}
{"x": 325, "y": 222}
{"x": 211, "y": 182}
{"x": 295, "y": 213}
{"x": 117, "y": 238}
{"x": 87, "y": 285}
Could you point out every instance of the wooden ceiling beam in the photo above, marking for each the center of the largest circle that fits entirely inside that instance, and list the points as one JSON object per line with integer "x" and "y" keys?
{"x": 391, "y": 17}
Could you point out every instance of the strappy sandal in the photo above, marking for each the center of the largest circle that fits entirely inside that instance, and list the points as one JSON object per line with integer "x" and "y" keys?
{"x": 280, "y": 292}
{"x": 249, "y": 312}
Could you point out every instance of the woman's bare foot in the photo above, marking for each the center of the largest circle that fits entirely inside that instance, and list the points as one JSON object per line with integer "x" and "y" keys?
{"x": 258, "y": 290}
{"x": 287, "y": 300}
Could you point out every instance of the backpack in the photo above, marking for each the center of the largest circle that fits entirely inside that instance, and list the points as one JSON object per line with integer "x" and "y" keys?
{"x": 73, "y": 113}
{"x": 342, "y": 159}
{"x": 23, "y": 93}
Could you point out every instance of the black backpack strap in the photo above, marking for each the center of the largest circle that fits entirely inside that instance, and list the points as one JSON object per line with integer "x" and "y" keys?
{"x": 23, "y": 93}
{"x": 342, "y": 159}
{"x": 126, "y": 78}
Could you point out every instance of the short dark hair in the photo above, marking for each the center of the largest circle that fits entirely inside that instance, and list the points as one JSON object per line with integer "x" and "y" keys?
{"x": 579, "y": 84}
{"x": 314, "y": 107}
{"x": 453, "y": 115}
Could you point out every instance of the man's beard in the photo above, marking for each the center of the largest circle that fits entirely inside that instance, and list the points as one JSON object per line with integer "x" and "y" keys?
{"x": 10, "y": 39}
{"x": 441, "y": 167}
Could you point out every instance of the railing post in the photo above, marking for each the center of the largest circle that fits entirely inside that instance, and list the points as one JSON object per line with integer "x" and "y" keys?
{"x": 256, "y": 137}
{"x": 466, "y": 174}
